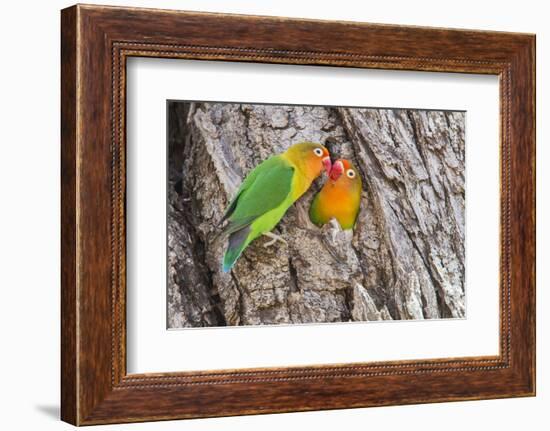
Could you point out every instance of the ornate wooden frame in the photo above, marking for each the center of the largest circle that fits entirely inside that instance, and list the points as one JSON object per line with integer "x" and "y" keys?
{"x": 95, "y": 43}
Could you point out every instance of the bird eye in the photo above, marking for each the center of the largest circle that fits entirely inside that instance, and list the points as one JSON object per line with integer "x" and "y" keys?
{"x": 318, "y": 152}
{"x": 350, "y": 173}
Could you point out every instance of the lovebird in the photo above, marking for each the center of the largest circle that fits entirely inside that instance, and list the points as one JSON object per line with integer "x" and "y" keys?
{"x": 340, "y": 197}
{"x": 266, "y": 194}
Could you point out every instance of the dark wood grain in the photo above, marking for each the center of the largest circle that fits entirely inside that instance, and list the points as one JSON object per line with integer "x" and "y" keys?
{"x": 69, "y": 397}
{"x": 96, "y": 41}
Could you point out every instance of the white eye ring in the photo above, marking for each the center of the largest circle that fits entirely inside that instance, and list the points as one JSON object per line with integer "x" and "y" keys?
{"x": 318, "y": 152}
{"x": 350, "y": 173}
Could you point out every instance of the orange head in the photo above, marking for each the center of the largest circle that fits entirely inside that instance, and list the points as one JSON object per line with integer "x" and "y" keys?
{"x": 345, "y": 174}
{"x": 311, "y": 158}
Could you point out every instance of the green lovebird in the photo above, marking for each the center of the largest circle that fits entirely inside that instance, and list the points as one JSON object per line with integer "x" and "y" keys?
{"x": 339, "y": 198}
{"x": 266, "y": 194}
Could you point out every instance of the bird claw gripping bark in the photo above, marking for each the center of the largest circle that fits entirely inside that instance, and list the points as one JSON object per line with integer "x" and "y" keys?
{"x": 274, "y": 239}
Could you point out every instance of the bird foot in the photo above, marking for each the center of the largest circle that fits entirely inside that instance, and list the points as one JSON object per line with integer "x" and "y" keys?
{"x": 335, "y": 229}
{"x": 274, "y": 239}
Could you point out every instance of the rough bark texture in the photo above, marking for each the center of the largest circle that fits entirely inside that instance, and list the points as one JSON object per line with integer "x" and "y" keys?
{"x": 404, "y": 259}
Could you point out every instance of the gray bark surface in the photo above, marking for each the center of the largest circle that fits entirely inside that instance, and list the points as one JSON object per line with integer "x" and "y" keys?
{"x": 403, "y": 260}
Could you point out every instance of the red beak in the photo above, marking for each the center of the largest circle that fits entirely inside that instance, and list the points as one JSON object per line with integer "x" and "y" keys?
{"x": 327, "y": 164}
{"x": 337, "y": 170}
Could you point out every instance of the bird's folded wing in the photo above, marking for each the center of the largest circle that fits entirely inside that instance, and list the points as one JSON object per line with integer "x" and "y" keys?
{"x": 264, "y": 189}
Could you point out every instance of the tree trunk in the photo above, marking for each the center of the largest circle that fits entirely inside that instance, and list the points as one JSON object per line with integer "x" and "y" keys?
{"x": 403, "y": 260}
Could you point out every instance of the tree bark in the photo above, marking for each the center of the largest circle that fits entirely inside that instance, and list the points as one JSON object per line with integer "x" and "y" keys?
{"x": 403, "y": 260}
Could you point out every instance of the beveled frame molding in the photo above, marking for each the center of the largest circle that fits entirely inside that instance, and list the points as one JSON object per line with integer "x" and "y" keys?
{"x": 96, "y": 41}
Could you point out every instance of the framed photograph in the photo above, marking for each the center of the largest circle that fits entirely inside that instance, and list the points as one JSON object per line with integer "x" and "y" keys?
{"x": 264, "y": 214}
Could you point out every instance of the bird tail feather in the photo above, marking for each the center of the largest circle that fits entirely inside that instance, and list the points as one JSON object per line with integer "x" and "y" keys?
{"x": 237, "y": 243}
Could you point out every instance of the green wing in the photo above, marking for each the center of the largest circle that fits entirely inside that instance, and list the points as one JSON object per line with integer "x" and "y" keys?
{"x": 247, "y": 182}
{"x": 314, "y": 212}
{"x": 264, "y": 188}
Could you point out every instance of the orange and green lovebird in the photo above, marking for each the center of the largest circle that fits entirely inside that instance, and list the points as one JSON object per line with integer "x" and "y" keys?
{"x": 339, "y": 198}
{"x": 267, "y": 192}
